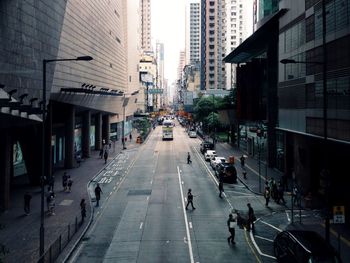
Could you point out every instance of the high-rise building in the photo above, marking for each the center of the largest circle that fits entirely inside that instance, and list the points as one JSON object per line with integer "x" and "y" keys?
{"x": 146, "y": 37}
{"x": 160, "y": 72}
{"x": 212, "y": 44}
{"x": 239, "y": 26}
{"x": 193, "y": 32}
{"x": 181, "y": 64}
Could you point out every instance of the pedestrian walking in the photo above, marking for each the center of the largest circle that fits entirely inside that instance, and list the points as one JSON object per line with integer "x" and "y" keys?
{"x": 130, "y": 136}
{"x": 105, "y": 155}
{"x": 244, "y": 174}
{"x": 69, "y": 183}
{"x": 98, "y": 192}
{"x": 231, "y": 223}
{"x": 267, "y": 195}
{"x": 51, "y": 183}
{"x": 51, "y": 203}
{"x": 274, "y": 190}
{"x": 64, "y": 181}
{"x": 83, "y": 209}
{"x": 251, "y": 218}
{"x": 101, "y": 153}
{"x": 242, "y": 159}
{"x": 27, "y": 198}
{"x": 221, "y": 188}
{"x": 189, "y": 158}
{"x": 190, "y": 199}
{"x": 280, "y": 193}
{"x": 296, "y": 196}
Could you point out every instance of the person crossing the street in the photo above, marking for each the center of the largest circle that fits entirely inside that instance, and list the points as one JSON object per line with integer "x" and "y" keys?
{"x": 231, "y": 223}
{"x": 190, "y": 199}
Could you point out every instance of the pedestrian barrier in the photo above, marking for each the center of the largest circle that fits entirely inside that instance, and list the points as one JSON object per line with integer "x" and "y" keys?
{"x": 55, "y": 249}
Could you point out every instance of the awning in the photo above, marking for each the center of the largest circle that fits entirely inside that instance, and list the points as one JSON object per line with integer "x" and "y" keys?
{"x": 256, "y": 44}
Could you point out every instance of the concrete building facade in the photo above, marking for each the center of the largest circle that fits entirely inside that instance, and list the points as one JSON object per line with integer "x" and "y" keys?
{"x": 193, "y": 32}
{"x": 146, "y": 33}
{"x": 84, "y": 98}
{"x": 239, "y": 26}
{"x": 213, "y": 44}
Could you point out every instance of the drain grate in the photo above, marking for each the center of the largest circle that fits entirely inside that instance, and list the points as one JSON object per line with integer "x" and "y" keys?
{"x": 140, "y": 192}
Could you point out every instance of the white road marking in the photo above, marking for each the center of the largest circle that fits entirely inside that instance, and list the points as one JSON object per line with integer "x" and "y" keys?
{"x": 147, "y": 198}
{"x": 190, "y": 224}
{"x": 263, "y": 238}
{"x": 279, "y": 230}
{"x": 141, "y": 225}
{"x": 185, "y": 216}
{"x": 257, "y": 248}
{"x": 110, "y": 193}
{"x": 151, "y": 182}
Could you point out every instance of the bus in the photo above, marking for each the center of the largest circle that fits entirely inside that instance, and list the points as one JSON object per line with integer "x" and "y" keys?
{"x": 167, "y": 130}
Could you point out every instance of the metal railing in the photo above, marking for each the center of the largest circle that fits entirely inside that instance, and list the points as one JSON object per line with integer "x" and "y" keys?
{"x": 55, "y": 249}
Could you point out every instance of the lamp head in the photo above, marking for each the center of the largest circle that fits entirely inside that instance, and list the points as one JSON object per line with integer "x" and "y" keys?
{"x": 84, "y": 58}
{"x": 288, "y": 61}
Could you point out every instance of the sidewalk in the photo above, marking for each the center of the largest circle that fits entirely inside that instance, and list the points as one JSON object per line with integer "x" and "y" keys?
{"x": 311, "y": 219}
{"x": 20, "y": 233}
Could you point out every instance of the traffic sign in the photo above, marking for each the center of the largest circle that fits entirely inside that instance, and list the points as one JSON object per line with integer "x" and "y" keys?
{"x": 155, "y": 91}
{"x": 338, "y": 214}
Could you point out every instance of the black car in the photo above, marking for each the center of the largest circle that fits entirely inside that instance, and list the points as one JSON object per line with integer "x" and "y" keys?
{"x": 299, "y": 246}
{"x": 226, "y": 172}
{"x": 206, "y": 146}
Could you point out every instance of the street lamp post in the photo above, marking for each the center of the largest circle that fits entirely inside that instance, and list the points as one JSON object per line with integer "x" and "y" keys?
{"x": 43, "y": 146}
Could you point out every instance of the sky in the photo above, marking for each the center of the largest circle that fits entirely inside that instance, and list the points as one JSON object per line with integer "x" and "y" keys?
{"x": 168, "y": 27}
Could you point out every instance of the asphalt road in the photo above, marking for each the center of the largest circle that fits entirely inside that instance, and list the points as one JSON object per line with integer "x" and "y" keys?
{"x": 142, "y": 216}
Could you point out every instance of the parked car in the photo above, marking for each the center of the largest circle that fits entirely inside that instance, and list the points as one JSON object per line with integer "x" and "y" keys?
{"x": 216, "y": 160}
{"x": 192, "y": 134}
{"x": 299, "y": 246}
{"x": 206, "y": 146}
{"x": 226, "y": 172}
{"x": 209, "y": 154}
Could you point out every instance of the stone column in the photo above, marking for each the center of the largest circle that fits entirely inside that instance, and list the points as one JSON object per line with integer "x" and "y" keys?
{"x": 86, "y": 134}
{"x": 105, "y": 128}
{"x": 98, "y": 131}
{"x": 6, "y": 152}
{"x": 69, "y": 138}
{"x": 48, "y": 148}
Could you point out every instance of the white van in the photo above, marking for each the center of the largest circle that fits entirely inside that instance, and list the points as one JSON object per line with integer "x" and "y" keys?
{"x": 209, "y": 154}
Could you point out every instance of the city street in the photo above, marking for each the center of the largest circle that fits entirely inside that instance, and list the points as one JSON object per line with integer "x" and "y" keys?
{"x": 142, "y": 217}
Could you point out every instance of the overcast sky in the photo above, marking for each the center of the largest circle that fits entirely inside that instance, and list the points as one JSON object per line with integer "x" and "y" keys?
{"x": 168, "y": 27}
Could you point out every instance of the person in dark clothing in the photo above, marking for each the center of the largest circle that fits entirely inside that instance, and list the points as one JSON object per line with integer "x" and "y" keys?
{"x": 190, "y": 199}
{"x": 130, "y": 137}
{"x": 267, "y": 195}
{"x": 98, "y": 192}
{"x": 83, "y": 209}
{"x": 231, "y": 223}
{"x": 189, "y": 161}
{"x": 251, "y": 218}
{"x": 51, "y": 183}
{"x": 280, "y": 194}
{"x": 101, "y": 153}
{"x": 242, "y": 159}
{"x": 27, "y": 198}
{"x": 105, "y": 156}
{"x": 69, "y": 183}
{"x": 221, "y": 188}
{"x": 64, "y": 181}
